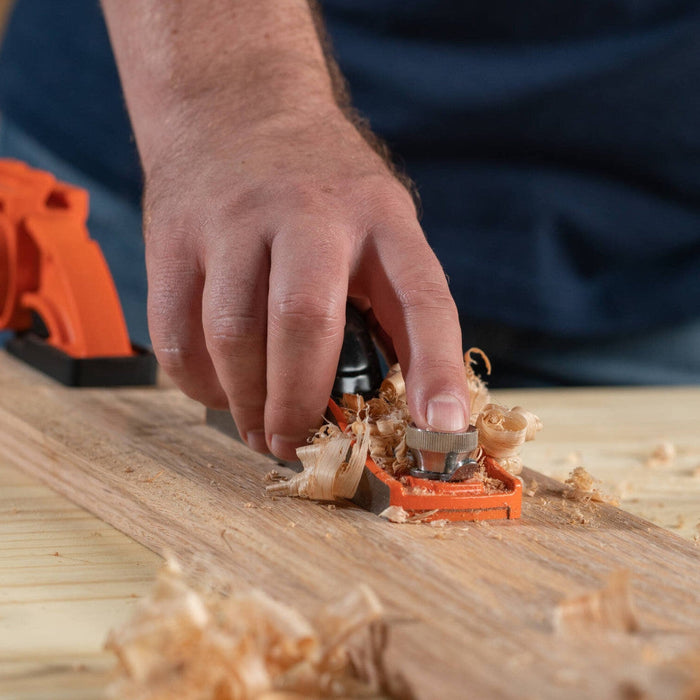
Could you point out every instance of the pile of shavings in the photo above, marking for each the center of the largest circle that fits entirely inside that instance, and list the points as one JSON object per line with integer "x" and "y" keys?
{"x": 192, "y": 645}
{"x": 334, "y": 460}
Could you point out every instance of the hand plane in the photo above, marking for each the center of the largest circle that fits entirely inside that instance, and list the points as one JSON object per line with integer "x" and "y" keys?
{"x": 443, "y": 484}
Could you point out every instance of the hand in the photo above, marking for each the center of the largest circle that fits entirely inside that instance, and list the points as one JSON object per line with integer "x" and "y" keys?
{"x": 256, "y": 234}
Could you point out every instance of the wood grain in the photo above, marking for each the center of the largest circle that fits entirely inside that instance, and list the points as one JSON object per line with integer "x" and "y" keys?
{"x": 476, "y": 601}
{"x": 613, "y": 434}
{"x": 66, "y": 577}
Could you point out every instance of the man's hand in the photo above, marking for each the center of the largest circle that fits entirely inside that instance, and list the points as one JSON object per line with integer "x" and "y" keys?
{"x": 265, "y": 209}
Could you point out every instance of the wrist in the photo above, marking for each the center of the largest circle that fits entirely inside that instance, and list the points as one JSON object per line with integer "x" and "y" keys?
{"x": 200, "y": 125}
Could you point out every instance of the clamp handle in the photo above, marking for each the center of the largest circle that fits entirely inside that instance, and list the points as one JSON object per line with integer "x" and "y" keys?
{"x": 50, "y": 266}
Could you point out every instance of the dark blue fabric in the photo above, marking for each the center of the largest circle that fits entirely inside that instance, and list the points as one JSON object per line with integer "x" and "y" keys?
{"x": 59, "y": 82}
{"x": 555, "y": 144}
{"x": 556, "y": 148}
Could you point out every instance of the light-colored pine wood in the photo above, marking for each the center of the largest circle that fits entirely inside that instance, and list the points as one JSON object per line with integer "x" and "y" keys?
{"x": 476, "y": 601}
{"x": 613, "y": 433}
{"x": 66, "y": 577}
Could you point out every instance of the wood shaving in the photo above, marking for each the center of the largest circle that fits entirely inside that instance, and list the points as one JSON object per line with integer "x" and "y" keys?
{"x": 478, "y": 392}
{"x": 663, "y": 455}
{"x": 205, "y": 646}
{"x": 328, "y": 471}
{"x": 531, "y": 488}
{"x": 503, "y": 431}
{"x": 334, "y": 460}
{"x": 396, "y": 514}
{"x": 608, "y": 608}
{"x": 582, "y": 486}
{"x": 680, "y": 522}
{"x": 439, "y": 523}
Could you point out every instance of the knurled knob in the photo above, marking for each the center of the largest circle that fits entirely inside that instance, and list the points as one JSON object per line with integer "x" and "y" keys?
{"x": 433, "y": 441}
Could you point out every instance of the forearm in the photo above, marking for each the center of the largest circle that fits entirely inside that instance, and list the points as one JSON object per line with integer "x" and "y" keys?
{"x": 184, "y": 61}
{"x": 264, "y": 212}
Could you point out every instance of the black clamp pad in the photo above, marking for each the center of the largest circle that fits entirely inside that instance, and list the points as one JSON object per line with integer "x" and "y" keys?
{"x": 135, "y": 370}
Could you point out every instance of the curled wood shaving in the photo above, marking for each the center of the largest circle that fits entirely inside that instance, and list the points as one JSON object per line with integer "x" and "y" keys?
{"x": 534, "y": 424}
{"x": 393, "y": 388}
{"x": 502, "y": 431}
{"x": 328, "y": 472}
{"x": 609, "y": 608}
{"x": 478, "y": 392}
{"x": 194, "y": 646}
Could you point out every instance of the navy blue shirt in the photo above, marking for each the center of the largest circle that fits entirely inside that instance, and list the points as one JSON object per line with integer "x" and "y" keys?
{"x": 555, "y": 144}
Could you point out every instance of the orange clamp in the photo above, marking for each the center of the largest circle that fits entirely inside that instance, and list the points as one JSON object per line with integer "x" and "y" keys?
{"x": 50, "y": 266}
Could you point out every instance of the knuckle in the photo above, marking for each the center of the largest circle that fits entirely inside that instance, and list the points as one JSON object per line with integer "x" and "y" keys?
{"x": 297, "y": 406}
{"x": 174, "y": 357}
{"x": 307, "y": 313}
{"x": 306, "y": 197}
{"x": 427, "y": 296}
{"x": 388, "y": 199}
{"x": 427, "y": 364}
{"x": 230, "y": 334}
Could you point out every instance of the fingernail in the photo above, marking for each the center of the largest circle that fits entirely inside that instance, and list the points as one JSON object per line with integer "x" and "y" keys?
{"x": 284, "y": 446}
{"x": 445, "y": 414}
{"x": 256, "y": 440}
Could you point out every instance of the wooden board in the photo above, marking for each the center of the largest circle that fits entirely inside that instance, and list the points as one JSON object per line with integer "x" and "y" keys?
{"x": 477, "y": 600}
{"x": 613, "y": 433}
{"x": 66, "y": 577}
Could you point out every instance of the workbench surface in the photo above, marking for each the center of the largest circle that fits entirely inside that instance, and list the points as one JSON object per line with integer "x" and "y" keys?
{"x": 66, "y": 576}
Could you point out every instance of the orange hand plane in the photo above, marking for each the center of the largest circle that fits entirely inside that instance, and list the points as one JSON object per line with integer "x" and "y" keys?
{"x": 444, "y": 484}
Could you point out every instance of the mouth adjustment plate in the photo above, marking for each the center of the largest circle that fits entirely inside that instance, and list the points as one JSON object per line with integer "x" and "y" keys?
{"x": 441, "y": 455}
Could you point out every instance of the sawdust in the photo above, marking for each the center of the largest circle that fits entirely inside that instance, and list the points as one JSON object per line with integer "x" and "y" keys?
{"x": 194, "y": 645}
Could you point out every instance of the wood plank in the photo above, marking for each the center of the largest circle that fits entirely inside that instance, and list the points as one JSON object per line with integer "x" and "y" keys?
{"x": 479, "y": 599}
{"x": 66, "y": 577}
{"x": 613, "y": 433}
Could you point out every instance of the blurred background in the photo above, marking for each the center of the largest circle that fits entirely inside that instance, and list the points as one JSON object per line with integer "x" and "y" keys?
{"x": 555, "y": 147}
